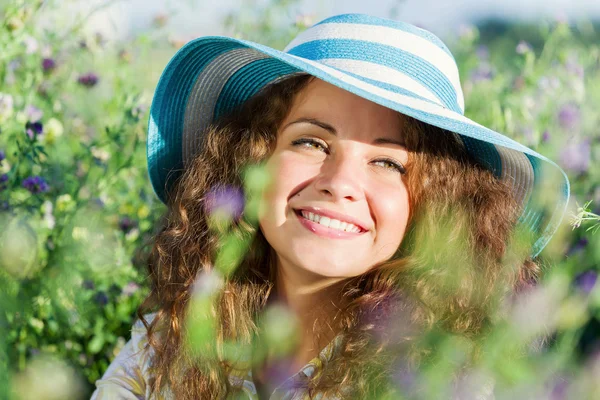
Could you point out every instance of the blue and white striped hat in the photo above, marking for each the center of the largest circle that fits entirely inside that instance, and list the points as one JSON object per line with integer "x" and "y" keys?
{"x": 391, "y": 63}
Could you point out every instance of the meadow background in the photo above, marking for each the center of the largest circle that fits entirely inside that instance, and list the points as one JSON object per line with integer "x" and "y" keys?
{"x": 77, "y": 211}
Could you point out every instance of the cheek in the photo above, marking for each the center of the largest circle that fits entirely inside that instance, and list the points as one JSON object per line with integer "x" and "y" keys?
{"x": 392, "y": 211}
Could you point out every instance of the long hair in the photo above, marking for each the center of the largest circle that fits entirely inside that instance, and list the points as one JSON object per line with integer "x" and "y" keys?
{"x": 450, "y": 270}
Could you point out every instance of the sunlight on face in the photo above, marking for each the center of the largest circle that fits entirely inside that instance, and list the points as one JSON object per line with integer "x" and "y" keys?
{"x": 337, "y": 203}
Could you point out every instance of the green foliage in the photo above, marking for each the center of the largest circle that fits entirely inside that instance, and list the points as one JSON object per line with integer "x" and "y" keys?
{"x": 77, "y": 210}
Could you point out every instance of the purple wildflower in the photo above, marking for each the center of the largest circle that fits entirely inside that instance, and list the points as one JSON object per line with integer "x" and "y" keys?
{"x": 482, "y": 52}
{"x": 48, "y": 64}
{"x": 225, "y": 199}
{"x": 545, "y": 136}
{"x": 569, "y": 116}
{"x": 2, "y": 156}
{"x": 576, "y": 156}
{"x": 36, "y": 184}
{"x": 33, "y": 114}
{"x": 101, "y": 298}
{"x": 3, "y": 180}
{"x": 130, "y": 289}
{"x": 126, "y": 224}
{"x": 482, "y": 73}
{"x": 586, "y": 281}
{"x": 523, "y": 47}
{"x": 88, "y": 284}
{"x": 33, "y": 129}
{"x": 88, "y": 80}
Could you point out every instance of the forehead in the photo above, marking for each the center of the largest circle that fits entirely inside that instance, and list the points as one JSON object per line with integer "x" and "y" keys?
{"x": 346, "y": 111}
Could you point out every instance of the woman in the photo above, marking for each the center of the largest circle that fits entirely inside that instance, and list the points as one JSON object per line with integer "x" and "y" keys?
{"x": 387, "y": 213}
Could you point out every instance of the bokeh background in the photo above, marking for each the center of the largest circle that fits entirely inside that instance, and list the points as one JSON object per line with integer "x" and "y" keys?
{"x": 77, "y": 212}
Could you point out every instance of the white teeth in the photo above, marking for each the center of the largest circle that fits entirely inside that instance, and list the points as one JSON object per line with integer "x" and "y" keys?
{"x": 324, "y": 221}
{"x": 331, "y": 223}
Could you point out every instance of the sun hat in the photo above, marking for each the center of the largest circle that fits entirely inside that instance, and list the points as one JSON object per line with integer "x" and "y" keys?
{"x": 394, "y": 64}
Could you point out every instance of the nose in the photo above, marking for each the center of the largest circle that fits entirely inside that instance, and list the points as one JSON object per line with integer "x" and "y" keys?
{"x": 340, "y": 177}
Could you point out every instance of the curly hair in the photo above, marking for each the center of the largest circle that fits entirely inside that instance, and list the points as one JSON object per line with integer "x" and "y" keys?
{"x": 451, "y": 270}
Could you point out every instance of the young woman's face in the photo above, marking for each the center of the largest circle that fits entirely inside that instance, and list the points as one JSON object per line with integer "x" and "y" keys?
{"x": 337, "y": 204}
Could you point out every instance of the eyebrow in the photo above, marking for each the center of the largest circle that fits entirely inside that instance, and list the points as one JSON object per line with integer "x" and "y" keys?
{"x": 332, "y": 130}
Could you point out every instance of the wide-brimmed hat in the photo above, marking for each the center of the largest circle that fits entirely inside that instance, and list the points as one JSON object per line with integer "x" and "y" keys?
{"x": 391, "y": 63}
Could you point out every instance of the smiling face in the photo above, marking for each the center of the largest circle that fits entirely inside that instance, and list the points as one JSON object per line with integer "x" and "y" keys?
{"x": 337, "y": 204}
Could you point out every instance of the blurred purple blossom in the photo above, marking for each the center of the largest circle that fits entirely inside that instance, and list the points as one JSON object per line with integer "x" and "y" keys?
{"x": 523, "y": 47}
{"x": 3, "y": 180}
{"x": 545, "y": 136}
{"x": 90, "y": 79}
{"x": 33, "y": 114}
{"x": 482, "y": 73}
{"x": 35, "y": 184}
{"x": 586, "y": 281}
{"x": 130, "y": 289}
{"x": 126, "y": 224}
{"x": 569, "y": 116}
{"x": 88, "y": 284}
{"x": 559, "y": 389}
{"x": 48, "y": 64}
{"x": 101, "y": 298}
{"x": 225, "y": 199}
{"x": 482, "y": 52}
{"x": 2, "y": 156}
{"x": 576, "y": 156}
{"x": 33, "y": 129}
{"x": 574, "y": 68}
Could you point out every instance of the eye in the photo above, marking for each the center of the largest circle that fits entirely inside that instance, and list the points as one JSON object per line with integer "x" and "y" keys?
{"x": 393, "y": 165}
{"x": 310, "y": 143}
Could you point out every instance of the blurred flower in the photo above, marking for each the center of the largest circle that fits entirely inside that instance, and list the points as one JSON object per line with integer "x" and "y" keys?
{"x": 574, "y": 67}
{"x": 545, "y": 136}
{"x": 48, "y": 216}
{"x": 100, "y": 154}
{"x": 467, "y": 32}
{"x": 89, "y": 80}
{"x": 482, "y": 52}
{"x": 65, "y": 202}
{"x": 139, "y": 110}
{"x": 125, "y": 56}
{"x": 304, "y": 20}
{"x": 130, "y": 289}
{"x": 33, "y": 129}
{"x": 576, "y": 156}
{"x": 569, "y": 116}
{"x": 6, "y": 107}
{"x": 226, "y": 201}
{"x": 160, "y": 20}
{"x": 88, "y": 284}
{"x": 14, "y": 23}
{"x": 33, "y": 114}
{"x": 586, "y": 281}
{"x": 48, "y": 64}
{"x": 3, "y": 180}
{"x": 31, "y": 44}
{"x": 35, "y": 184}
{"x": 578, "y": 246}
{"x": 2, "y": 156}
{"x": 523, "y": 47}
{"x": 546, "y": 83}
{"x": 126, "y": 224}
{"x": 101, "y": 298}
{"x": 207, "y": 283}
{"x": 482, "y": 73}
{"x": 54, "y": 129}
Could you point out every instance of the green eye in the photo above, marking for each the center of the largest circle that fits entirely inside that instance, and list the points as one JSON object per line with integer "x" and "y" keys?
{"x": 309, "y": 143}
{"x": 390, "y": 164}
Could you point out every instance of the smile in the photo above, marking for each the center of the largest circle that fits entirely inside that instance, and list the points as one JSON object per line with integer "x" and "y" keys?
{"x": 328, "y": 227}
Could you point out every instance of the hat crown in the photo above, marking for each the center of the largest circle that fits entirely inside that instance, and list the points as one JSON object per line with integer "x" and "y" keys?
{"x": 398, "y": 54}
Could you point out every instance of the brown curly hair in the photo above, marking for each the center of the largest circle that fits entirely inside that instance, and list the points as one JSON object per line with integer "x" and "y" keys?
{"x": 456, "y": 205}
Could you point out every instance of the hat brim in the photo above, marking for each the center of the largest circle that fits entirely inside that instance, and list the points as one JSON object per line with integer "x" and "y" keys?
{"x": 211, "y": 75}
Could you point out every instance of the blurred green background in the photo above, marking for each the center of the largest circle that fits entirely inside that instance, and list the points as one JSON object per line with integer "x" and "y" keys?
{"x": 77, "y": 212}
